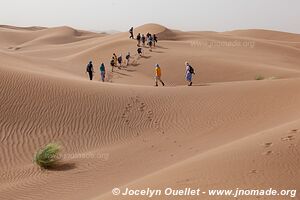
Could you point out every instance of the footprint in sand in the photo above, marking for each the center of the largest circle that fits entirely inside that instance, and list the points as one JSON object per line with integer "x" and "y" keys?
{"x": 253, "y": 171}
{"x": 124, "y": 115}
{"x": 157, "y": 125}
{"x": 142, "y": 107}
{"x": 292, "y": 146}
{"x": 150, "y": 113}
{"x": 135, "y": 99}
{"x": 267, "y": 153}
{"x": 287, "y": 138}
{"x": 268, "y": 144}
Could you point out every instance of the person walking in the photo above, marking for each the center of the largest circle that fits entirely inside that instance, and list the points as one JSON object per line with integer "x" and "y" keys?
{"x": 158, "y": 75}
{"x": 115, "y": 60}
{"x": 150, "y": 42}
{"x": 112, "y": 64}
{"x": 147, "y": 35}
{"x": 131, "y": 33}
{"x": 154, "y": 40}
{"x": 143, "y": 39}
{"x": 138, "y": 38}
{"x": 127, "y": 58}
{"x": 140, "y": 51}
{"x": 189, "y": 72}
{"x": 120, "y": 60}
{"x": 102, "y": 72}
{"x": 90, "y": 70}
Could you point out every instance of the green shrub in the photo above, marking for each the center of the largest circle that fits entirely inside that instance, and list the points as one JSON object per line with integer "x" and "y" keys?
{"x": 259, "y": 77}
{"x": 47, "y": 157}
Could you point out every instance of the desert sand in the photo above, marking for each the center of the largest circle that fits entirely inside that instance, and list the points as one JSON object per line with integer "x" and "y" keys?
{"x": 227, "y": 131}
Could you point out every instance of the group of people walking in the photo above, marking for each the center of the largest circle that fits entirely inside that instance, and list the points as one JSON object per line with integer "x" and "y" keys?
{"x": 90, "y": 70}
{"x": 189, "y": 72}
{"x": 117, "y": 61}
{"x": 149, "y": 40}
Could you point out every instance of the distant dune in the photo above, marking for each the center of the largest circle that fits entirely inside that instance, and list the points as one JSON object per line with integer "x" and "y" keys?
{"x": 229, "y": 130}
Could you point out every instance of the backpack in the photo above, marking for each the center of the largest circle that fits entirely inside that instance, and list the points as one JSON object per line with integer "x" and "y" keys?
{"x": 89, "y": 67}
{"x": 120, "y": 59}
{"x": 112, "y": 62}
{"x": 191, "y": 69}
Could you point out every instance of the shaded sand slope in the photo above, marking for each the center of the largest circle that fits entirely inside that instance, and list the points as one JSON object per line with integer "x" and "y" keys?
{"x": 227, "y": 127}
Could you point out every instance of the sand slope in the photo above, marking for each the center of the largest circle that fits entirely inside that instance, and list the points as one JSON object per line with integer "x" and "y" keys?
{"x": 227, "y": 131}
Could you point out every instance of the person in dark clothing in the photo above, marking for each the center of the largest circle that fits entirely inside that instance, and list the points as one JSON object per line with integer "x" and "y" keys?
{"x": 154, "y": 39}
{"x": 150, "y": 42}
{"x": 127, "y": 58}
{"x": 112, "y": 64}
{"x": 131, "y": 33}
{"x": 143, "y": 39}
{"x": 120, "y": 60}
{"x": 140, "y": 51}
{"x": 138, "y": 38}
{"x": 90, "y": 70}
{"x": 148, "y": 35}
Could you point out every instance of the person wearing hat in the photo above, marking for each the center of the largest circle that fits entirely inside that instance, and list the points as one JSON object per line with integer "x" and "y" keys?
{"x": 189, "y": 71}
{"x": 158, "y": 75}
{"x": 115, "y": 59}
{"x": 102, "y": 72}
{"x": 90, "y": 70}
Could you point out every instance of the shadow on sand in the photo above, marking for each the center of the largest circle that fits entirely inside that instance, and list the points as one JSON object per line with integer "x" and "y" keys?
{"x": 135, "y": 64}
{"x": 161, "y": 47}
{"x": 146, "y": 57}
{"x": 62, "y": 167}
{"x": 130, "y": 70}
{"x": 154, "y": 51}
{"x": 122, "y": 73}
{"x": 200, "y": 85}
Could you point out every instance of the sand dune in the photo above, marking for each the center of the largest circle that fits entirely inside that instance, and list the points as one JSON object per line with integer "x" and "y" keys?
{"x": 227, "y": 131}
{"x": 267, "y": 34}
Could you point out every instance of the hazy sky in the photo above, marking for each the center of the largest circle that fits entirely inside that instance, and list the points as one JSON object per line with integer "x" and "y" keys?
{"x": 216, "y": 15}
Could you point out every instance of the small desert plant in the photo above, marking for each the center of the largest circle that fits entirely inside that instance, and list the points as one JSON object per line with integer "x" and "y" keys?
{"x": 47, "y": 157}
{"x": 259, "y": 77}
